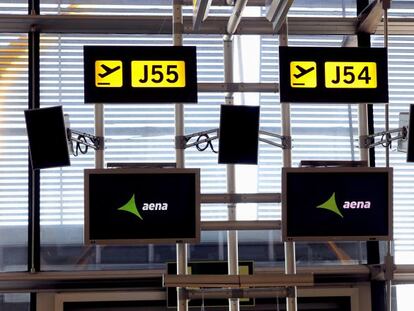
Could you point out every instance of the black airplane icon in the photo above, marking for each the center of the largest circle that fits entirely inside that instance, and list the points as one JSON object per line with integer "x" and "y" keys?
{"x": 108, "y": 70}
{"x": 303, "y": 71}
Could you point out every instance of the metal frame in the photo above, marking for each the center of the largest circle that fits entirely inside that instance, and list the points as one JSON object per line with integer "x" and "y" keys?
{"x": 238, "y": 281}
{"x": 368, "y": 141}
{"x": 91, "y": 141}
{"x": 200, "y": 12}
{"x": 286, "y": 141}
{"x": 62, "y": 298}
{"x": 277, "y": 12}
{"x": 370, "y": 17}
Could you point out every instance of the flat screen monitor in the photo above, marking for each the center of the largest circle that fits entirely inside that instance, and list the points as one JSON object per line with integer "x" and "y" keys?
{"x": 239, "y": 134}
{"x": 326, "y": 204}
{"x": 132, "y": 206}
{"x": 46, "y": 132}
{"x": 410, "y": 147}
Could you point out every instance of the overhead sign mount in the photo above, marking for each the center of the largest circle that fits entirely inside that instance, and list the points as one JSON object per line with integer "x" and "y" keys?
{"x": 351, "y": 75}
{"x": 134, "y": 74}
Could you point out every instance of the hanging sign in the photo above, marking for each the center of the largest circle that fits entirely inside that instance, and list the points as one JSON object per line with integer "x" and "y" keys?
{"x": 350, "y": 75}
{"x": 140, "y": 74}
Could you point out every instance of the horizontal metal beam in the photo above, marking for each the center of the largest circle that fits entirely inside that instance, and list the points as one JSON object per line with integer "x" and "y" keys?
{"x": 104, "y": 24}
{"x": 224, "y": 2}
{"x": 46, "y": 281}
{"x": 239, "y": 87}
{"x": 238, "y": 281}
{"x": 230, "y": 198}
{"x": 224, "y": 293}
{"x": 241, "y": 225}
{"x": 397, "y": 26}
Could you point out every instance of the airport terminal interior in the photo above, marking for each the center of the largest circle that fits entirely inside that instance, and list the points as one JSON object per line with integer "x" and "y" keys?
{"x": 169, "y": 95}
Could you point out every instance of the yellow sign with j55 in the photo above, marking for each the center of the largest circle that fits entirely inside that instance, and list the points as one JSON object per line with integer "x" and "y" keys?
{"x": 158, "y": 73}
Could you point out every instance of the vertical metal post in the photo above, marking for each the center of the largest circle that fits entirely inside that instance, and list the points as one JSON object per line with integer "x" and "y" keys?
{"x": 363, "y": 131}
{"x": 387, "y": 157}
{"x": 290, "y": 256}
{"x": 34, "y": 175}
{"x": 232, "y": 239}
{"x": 387, "y": 112}
{"x": 181, "y": 248}
{"x": 99, "y": 131}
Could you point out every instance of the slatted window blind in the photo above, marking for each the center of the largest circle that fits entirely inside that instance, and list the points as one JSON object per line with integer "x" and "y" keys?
{"x": 13, "y": 152}
{"x": 401, "y": 81}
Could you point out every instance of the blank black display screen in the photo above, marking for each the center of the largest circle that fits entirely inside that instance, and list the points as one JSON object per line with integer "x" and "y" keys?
{"x": 47, "y": 137}
{"x": 239, "y": 134}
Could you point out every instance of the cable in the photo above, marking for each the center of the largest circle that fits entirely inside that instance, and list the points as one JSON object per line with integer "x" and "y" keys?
{"x": 208, "y": 143}
{"x": 78, "y": 148}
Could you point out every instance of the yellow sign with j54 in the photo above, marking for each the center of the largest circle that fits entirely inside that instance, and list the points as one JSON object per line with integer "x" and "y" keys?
{"x": 351, "y": 75}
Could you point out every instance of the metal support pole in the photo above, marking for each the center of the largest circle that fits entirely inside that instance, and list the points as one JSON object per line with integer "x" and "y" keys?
{"x": 387, "y": 113}
{"x": 181, "y": 248}
{"x": 99, "y": 131}
{"x": 290, "y": 256}
{"x": 99, "y": 156}
{"x": 232, "y": 240}
{"x": 34, "y": 175}
{"x": 387, "y": 164}
{"x": 363, "y": 131}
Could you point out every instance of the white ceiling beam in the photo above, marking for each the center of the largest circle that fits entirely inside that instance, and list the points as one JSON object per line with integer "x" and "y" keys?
{"x": 277, "y": 11}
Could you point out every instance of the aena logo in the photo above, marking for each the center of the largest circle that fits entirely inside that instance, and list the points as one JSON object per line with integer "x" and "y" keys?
{"x": 331, "y": 205}
{"x": 132, "y": 208}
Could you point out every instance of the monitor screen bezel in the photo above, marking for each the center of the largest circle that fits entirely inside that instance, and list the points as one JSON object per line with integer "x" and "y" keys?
{"x": 410, "y": 144}
{"x": 88, "y": 172}
{"x": 330, "y": 170}
{"x": 62, "y": 132}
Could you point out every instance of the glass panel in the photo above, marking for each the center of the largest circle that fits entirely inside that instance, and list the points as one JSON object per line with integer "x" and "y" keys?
{"x": 404, "y": 297}
{"x": 14, "y": 302}
{"x": 128, "y": 7}
{"x": 401, "y": 82}
{"x": 340, "y": 8}
{"x": 14, "y": 7}
{"x": 13, "y": 152}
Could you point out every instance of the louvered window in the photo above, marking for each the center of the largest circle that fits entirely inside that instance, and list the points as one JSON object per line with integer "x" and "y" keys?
{"x": 401, "y": 81}
{"x": 13, "y": 152}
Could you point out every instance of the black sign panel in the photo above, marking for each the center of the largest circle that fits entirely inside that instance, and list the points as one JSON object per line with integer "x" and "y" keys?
{"x": 337, "y": 204}
{"x": 47, "y": 137}
{"x": 333, "y": 75}
{"x": 239, "y": 134}
{"x": 140, "y": 74}
{"x": 142, "y": 206}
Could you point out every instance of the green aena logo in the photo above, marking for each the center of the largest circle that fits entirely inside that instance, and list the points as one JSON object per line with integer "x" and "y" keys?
{"x": 131, "y": 207}
{"x": 332, "y": 206}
